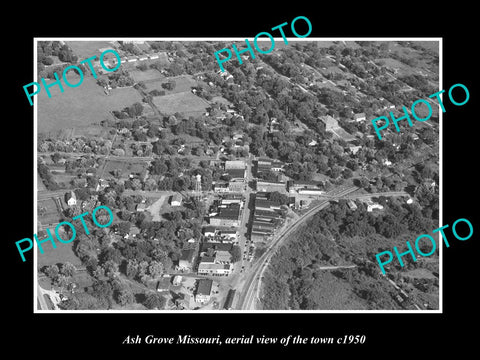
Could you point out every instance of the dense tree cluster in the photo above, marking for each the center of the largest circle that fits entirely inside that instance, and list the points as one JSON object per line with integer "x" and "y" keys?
{"x": 132, "y": 111}
{"x": 294, "y": 269}
{"x": 119, "y": 78}
{"x": 47, "y": 177}
{"x": 45, "y": 49}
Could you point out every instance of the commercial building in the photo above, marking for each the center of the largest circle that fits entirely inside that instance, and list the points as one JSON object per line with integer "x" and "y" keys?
{"x": 267, "y": 205}
{"x": 270, "y": 186}
{"x": 235, "y": 164}
{"x": 204, "y": 290}
{"x": 220, "y": 187}
{"x": 236, "y": 186}
{"x": 295, "y": 186}
{"x": 228, "y": 217}
{"x": 265, "y": 165}
{"x": 306, "y": 191}
{"x": 231, "y": 199}
{"x": 214, "y": 269}
{"x": 229, "y": 302}
{"x": 236, "y": 174}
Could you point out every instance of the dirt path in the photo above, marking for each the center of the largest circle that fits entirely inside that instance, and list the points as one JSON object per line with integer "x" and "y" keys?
{"x": 154, "y": 209}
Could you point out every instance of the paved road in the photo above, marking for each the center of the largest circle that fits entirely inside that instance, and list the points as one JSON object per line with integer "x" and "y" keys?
{"x": 41, "y": 299}
{"x": 253, "y": 281}
{"x": 377, "y": 194}
{"x": 54, "y": 297}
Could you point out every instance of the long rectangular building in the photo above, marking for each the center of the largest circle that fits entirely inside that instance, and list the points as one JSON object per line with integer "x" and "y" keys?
{"x": 270, "y": 186}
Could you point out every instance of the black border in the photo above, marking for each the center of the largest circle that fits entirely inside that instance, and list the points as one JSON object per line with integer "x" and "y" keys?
{"x": 104, "y": 333}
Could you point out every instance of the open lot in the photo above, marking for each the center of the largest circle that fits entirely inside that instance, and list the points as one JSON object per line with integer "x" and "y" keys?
{"x": 126, "y": 167}
{"x": 47, "y": 212}
{"x": 146, "y": 75}
{"x": 186, "y": 103}
{"x": 183, "y": 83}
{"x": 86, "y": 49}
{"x": 40, "y": 184}
{"x": 419, "y": 274}
{"x": 61, "y": 254}
{"x": 61, "y": 178}
{"x": 331, "y": 294}
{"x": 80, "y": 106}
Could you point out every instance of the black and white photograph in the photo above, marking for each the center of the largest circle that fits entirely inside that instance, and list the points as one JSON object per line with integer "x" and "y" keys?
{"x": 217, "y": 179}
{"x": 263, "y": 185}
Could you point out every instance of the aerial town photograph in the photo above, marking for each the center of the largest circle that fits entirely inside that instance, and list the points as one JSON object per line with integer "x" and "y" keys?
{"x": 263, "y": 187}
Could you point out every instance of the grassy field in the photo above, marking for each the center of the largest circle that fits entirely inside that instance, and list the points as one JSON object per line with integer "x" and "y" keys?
{"x": 419, "y": 274}
{"x": 330, "y": 293}
{"x": 221, "y": 100}
{"x": 50, "y": 214}
{"x": 61, "y": 178}
{"x": 431, "y": 45}
{"x": 149, "y": 74}
{"x": 80, "y": 106}
{"x": 40, "y": 184}
{"x": 93, "y": 131}
{"x": 186, "y": 103}
{"x": 126, "y": 167}
{"x": 61, "y": 254}
{"x": 183, "y": 83}
{"x": 86, "y": 49}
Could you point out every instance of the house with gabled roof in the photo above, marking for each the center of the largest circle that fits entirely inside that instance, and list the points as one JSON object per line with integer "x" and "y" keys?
{"x": 71, "y": 198}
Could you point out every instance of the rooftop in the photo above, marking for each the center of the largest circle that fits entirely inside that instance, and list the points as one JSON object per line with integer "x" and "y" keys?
{"x": 211, "y": 266}
{"x": 204, "y": 287}
{"x": 187, "y": 255}
{"x": 216, "y": 245}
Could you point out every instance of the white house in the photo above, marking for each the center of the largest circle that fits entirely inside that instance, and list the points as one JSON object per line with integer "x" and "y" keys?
{"x": 176, "y": 200}
{"x": 359, "y": 117}
{"x": 70, "y": 198}
{"x": 371, "y": 205}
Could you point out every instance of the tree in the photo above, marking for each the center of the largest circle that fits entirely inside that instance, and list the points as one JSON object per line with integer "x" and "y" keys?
{"x": 170, "y": 85}
{"x": 277, "y": 197}
{"x": 135, "y": 110}
{"x": 154, "y": 301}
{"x": 111, "y": 268}
{"x": 347, "y": 173}
{"x": 124, "y": 227}
{"x": 67, "y": 269}
{"x": 103, "y": 291}
{"x": 124, "y": 296}
{"x": 51, "y": 271}
{"x": 155, "y": 268}
{"x": 56, "y": 157}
